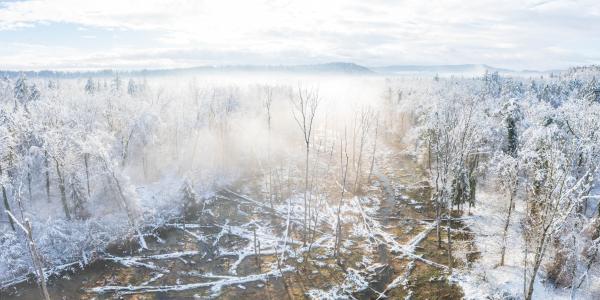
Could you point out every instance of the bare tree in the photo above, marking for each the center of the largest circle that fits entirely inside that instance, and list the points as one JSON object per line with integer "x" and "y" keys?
{"x": 304, "y": 111}
{"x": 344, "y": 160}
{"x": 364, "y": 119}
{"x": 374, "y": 148}
{"x": 267, "y": 102}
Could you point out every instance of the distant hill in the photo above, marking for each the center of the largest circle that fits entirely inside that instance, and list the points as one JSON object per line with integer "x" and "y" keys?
{"x": 342, "y": 68}
{"x": 335, "y": 67}
{"x": 327, "y": 68}
{"x": 441, "y": 69}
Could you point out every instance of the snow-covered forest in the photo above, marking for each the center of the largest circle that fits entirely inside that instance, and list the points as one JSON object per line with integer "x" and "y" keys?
{"x": 301, "y": 186}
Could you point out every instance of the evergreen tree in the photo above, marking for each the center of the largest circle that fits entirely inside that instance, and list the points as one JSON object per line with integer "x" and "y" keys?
{"x": 116, "y": 84}
{"x": 90, "y": 88}
{"x": 132, "y": 87}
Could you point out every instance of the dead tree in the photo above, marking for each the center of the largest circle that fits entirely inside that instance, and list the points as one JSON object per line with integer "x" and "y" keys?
{"x": 304, "y": 111}
{"x": 364, "y": 118}
{"x": 374, "y": 149}
{"x": 319, "y": 203}
{"x": 267, "y": 102}
{"x": 344, "y": 160}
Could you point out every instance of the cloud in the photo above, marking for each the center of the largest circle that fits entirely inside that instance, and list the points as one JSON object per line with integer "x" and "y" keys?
{"x": 517, "y": 34}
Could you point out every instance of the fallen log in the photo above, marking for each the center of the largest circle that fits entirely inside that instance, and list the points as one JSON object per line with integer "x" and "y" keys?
{"x": 215, "y": 286}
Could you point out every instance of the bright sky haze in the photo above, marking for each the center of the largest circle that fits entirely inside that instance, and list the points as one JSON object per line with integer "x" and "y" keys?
{"x": 135, "y": 34}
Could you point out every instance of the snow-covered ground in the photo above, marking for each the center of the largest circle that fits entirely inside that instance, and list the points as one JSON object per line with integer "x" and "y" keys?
{"x": 486, "y": 279}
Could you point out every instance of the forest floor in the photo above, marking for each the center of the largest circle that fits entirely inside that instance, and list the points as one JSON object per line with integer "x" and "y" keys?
{"x": 238, "y": 246}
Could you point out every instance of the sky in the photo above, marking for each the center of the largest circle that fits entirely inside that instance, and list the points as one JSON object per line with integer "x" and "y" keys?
{"x": 137, "y": 34}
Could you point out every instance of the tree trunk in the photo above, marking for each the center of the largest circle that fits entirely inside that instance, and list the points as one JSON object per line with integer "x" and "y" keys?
{"x": 358, "y": 168}
{"x": 429, "y": 155}
{"x": 29, "y": 186}
{"x": 47, "y": 175}
{"x": 6, "y": 204}
{"x": 448, "y": 231}
{"x": 63, "y": 193}
{"x": 305, "y": 194}
{"x": 373, "y": 156}
{"x": 505, "y": 232}
{"x": 438, "y": 203}
{"x": 344, "y": 173}
{"x": 539, "y": 255}
{"x": 87, "y": 173}
{"x": 438, "y": 220}
{"x": 7, "y": 207}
